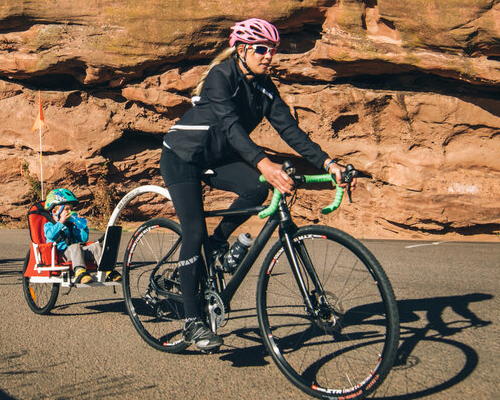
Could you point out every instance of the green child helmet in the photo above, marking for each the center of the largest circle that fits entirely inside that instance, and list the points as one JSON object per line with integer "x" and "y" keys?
{"x": 58, "y": 197}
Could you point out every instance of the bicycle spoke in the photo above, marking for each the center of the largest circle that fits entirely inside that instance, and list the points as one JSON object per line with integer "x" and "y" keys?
{"x": 41, "y": 297}
{"x": 149, "y": 293}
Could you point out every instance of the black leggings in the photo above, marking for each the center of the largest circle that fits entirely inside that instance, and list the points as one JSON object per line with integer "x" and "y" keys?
{"x": 183, "y": 181}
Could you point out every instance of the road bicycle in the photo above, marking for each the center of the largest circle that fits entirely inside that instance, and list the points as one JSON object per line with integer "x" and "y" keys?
{"x": 325, "y": 307}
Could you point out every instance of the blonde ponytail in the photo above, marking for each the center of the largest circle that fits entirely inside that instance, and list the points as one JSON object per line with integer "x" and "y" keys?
{"x": 224, "y": 55}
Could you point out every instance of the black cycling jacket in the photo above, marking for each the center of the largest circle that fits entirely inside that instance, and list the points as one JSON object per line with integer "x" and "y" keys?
{"x": 230, "y": 108}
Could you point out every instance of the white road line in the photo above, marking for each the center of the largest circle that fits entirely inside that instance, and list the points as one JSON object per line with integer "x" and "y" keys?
{"x": 421, "y": 245}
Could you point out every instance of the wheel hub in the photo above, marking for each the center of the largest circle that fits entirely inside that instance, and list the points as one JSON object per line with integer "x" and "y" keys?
{"x": 329, "y": 312}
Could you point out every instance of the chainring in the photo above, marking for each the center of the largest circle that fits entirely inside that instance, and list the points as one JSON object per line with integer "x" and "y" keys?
{"x": 216, "y": 311}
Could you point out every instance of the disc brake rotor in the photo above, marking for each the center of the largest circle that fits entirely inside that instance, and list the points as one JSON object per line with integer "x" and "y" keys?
{"x": 330, "y": 312}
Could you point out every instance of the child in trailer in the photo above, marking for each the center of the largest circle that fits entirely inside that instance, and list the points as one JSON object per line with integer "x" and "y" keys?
{"x": 71, "y": 233}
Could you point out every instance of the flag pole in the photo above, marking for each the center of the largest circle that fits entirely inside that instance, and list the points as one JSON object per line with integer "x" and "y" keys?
{"x": 41, "y": 164}
{"x": 40, "y": 129}
{"x": 39, "y": 123}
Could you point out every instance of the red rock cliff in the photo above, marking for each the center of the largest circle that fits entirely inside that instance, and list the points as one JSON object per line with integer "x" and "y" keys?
{"x": 406, "y": 91}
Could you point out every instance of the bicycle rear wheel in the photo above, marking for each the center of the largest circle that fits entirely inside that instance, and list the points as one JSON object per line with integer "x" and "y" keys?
{"x": 345, "y": 344}
{"x": 41, "y": 297}
{"x": 151, "y": 286}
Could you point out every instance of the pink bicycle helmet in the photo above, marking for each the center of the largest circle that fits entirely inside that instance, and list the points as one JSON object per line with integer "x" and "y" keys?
{"x": 252, "y": 31}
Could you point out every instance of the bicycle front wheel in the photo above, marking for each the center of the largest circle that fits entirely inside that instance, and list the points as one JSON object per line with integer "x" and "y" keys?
{"x": 151, "y": 286}
{"x": 337, "y": 337}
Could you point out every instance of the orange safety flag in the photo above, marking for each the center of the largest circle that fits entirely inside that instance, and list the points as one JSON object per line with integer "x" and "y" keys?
{"x": 40, "y": 119}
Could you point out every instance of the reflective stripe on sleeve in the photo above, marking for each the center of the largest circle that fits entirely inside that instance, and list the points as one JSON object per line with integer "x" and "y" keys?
{"x": 191, "y": 127}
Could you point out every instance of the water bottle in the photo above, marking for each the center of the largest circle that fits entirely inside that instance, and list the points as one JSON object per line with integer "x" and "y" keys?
{"x": 236, "y": 253}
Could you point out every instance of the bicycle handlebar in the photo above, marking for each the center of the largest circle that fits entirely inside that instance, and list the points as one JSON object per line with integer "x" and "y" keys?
{"x": 273, "y": 206}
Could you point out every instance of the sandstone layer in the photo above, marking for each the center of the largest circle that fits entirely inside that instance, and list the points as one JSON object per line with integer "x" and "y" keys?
{"x": 406, "y": 91}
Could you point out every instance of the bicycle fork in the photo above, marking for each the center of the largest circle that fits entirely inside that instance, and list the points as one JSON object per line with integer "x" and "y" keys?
{"x": 291, "y": 255}
{"x": 298, "y": 256}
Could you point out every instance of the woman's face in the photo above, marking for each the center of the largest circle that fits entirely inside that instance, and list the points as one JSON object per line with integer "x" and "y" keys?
{"x": 258, "y": 56}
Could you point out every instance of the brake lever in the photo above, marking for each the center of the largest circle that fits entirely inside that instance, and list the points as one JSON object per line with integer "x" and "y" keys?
{"x": 347, "y": 176}
{"x": 288, "y": 167}
{"x": 349, "y": 192}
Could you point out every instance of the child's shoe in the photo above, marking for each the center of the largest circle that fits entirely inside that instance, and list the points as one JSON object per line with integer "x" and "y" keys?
{"x": 113, "y": 276}
{"x": 82, "y": 276}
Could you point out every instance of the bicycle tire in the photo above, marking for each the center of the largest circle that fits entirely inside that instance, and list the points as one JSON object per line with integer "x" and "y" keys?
{"x": 343, "y": 359}
{"x": 157, "y": 318}
{"x": 41, "y": 297}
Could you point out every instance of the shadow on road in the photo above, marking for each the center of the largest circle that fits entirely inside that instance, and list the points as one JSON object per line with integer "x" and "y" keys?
{"x": 425, "y": 347}
{"x": 5, "y": 396}
{"x": 439, "y": 362}
{"x": 99, "y": 306}
{"x": 435, "y": 306}
{"x": 19, "y": 367}
{"x": 11, "y": 261}
{"x": 429, "y": 359}
{"x": 10, "y": 268}
{"x": 251, "y": 356}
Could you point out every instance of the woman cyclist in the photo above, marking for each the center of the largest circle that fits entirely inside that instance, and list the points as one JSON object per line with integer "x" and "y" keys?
{"x": 231, "y": 100}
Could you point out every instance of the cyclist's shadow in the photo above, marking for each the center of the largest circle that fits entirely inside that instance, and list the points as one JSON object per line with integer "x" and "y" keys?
{"x": 243, "y": 354}
{"x": 435, "y": 329}
{"x": 428, "y": 333}
{"x": 435, "y": 306}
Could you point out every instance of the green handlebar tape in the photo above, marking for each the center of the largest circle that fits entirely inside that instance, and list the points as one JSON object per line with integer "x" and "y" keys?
{"x": 318, "y": 178}
{"x": 336, "y": 202}
{"x": 271, "y": 208}
{"x": 338, "y": 196}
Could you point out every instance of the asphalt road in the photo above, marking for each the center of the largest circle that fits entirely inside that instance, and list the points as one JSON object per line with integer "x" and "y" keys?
{"x": 448, "y": 296}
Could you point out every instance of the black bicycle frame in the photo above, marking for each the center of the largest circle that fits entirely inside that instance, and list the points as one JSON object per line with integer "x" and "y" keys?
{"x": 287, "y": 230}
{"x": 260, "y": 241}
